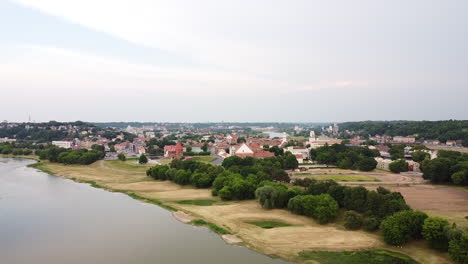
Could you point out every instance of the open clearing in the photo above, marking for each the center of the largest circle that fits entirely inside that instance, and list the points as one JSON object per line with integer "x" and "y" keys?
{"x": 304, "y": 234}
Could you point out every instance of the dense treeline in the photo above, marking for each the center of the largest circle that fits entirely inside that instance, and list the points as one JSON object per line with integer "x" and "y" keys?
{"x": 441, "y": 130}
{"x": 14, "y": 149}
{"x": 236, "y": 179}
{"x": 69, "y": 156}
{"x": 448, "y": 167}
{"x": 344, "y": 157}
{"x": 20, "y": 132}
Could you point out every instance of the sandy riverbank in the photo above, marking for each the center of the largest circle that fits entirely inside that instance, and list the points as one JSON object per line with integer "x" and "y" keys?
{"x": 286, "y": 242}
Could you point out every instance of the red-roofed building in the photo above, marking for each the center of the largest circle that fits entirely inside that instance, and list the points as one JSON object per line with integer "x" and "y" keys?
{"x": 252, "y": 150}
{"x": 174, "y": 152}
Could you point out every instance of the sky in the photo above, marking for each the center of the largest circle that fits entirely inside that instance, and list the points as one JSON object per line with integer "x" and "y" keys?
{"x": 242, "y": 60}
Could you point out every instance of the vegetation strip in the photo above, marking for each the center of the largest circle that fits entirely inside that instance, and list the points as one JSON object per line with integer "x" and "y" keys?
{"x": 268, "y": 224}
{"x": 197, "y": 202}
{"x": 213, "y": 227}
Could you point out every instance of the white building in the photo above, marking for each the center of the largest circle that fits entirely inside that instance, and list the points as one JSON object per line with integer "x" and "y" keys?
{"x": 62, "y": 144}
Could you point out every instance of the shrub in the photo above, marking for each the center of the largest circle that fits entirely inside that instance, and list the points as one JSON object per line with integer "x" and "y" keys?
{"x": 225, "y": 193}
{"x": 370, "y": 224}
{"x": 402, "y": 227}
{"x": 434, "y": 231}
{"x": 353, "y": 220}
{"x": 321, "y": 207}
{"x": 458, "y": 249}
{"x": 459, "y": 177}
{"x": 143, "y": 159}
{"x": 201, "y": 180}
{"x": 121, "y": 156}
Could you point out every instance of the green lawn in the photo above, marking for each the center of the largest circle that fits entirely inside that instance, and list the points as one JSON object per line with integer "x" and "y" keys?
{"x": 205, "y": 159}
{"x": 357, "y": 257}
{"x": 267, "y": 224}
{"x": 197, "y": 202}
{"x": 127, "y": 165}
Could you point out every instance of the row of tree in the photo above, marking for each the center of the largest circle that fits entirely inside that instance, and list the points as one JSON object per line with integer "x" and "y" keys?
{"x": 8, "y": 149}
{"x": 344, "y": 157}
{"x": 68, "y": 156}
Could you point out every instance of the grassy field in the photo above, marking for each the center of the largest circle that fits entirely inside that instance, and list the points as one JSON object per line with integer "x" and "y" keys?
{"x": 205, "y": 159}
{"x": 197, "y": 202}
{"x": 357, "y": 257}
{"x": 303, "y": 234}
{"x": 268, "y": 224}
{"x": 127, "y": 165}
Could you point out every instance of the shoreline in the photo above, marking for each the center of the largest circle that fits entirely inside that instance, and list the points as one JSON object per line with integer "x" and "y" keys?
{"x": 190, "y": 213}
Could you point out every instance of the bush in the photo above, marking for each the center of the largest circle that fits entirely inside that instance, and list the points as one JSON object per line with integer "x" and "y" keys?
{"x": 434, "y": 231}
{"x": 367, "y": 164}
{"x": 121, "y": 156}
{"x": 143, "y": 159}
{"x": 370, "y": 224}
{"x": 458, "y": 249}
{"x": 182, "y": 177}
{"x": 459, "y": 177}
{"x": 201, "y": 180}
{"x": 225, "y": 193}
{"x": 398, "y": 166}
{"x": 402, "y": 227}
{"x": 321, "y": 207}
{"x": 353, "y": 220}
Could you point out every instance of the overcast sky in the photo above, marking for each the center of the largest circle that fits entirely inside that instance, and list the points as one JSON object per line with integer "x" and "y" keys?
{"x": 241, "y": 60}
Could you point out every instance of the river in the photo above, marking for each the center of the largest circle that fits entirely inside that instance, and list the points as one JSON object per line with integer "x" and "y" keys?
{"x": 46, "y": 219}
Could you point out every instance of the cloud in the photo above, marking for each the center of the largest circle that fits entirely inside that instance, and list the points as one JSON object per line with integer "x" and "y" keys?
{"x": 54, "y": 69}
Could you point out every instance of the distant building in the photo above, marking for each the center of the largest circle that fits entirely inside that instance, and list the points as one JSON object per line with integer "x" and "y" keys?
{"x": 399, "y": 139}
{"x": 62, "y": 144}
{"x": 7, "y": 140}
{"x": 383, "y": 164}
{"x": 250, "y": 150}
{"x": 304, "y": 152}
{"x": 174, "y": 152}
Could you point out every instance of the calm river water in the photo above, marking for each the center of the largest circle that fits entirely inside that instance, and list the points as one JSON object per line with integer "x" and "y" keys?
{"x": 46, "y": 220}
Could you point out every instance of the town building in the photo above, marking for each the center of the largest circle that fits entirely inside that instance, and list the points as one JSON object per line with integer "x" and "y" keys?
{"x": 250, "y": 150}
{"x": 407, "y": 140}
{"x": 62, "y": 144}
{"x": 174, "y": 151}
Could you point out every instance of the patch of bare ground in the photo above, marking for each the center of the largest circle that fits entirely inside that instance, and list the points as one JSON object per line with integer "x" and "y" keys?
{"x": 183, "y": 217}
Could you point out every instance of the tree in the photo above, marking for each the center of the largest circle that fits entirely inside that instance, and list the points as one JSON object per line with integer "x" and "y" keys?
{"x": 205, "y": 147}
{"x": 367, "y": 164}
{"x": 460, "y": 177}
{"x": 353, "y": 220}
{"x": 143, "y": 159}
{"x": 201, "y": 180}
{"x": 419, "y": 156}
{"x": 267, "y": 196}
{"x": 370, "y": 224}
{"x": 434, "y": 231}
{"x": 458, "y": 249}
{"x": 398, "y": 166}
{"x": 290, "y": 161}
{"x": 402, "y": 227}
{"x": 397, "y": 152}
{"x": 437, "y": 170}
{"x": 189, "y": 149}
{"x": 121, "y": 156}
